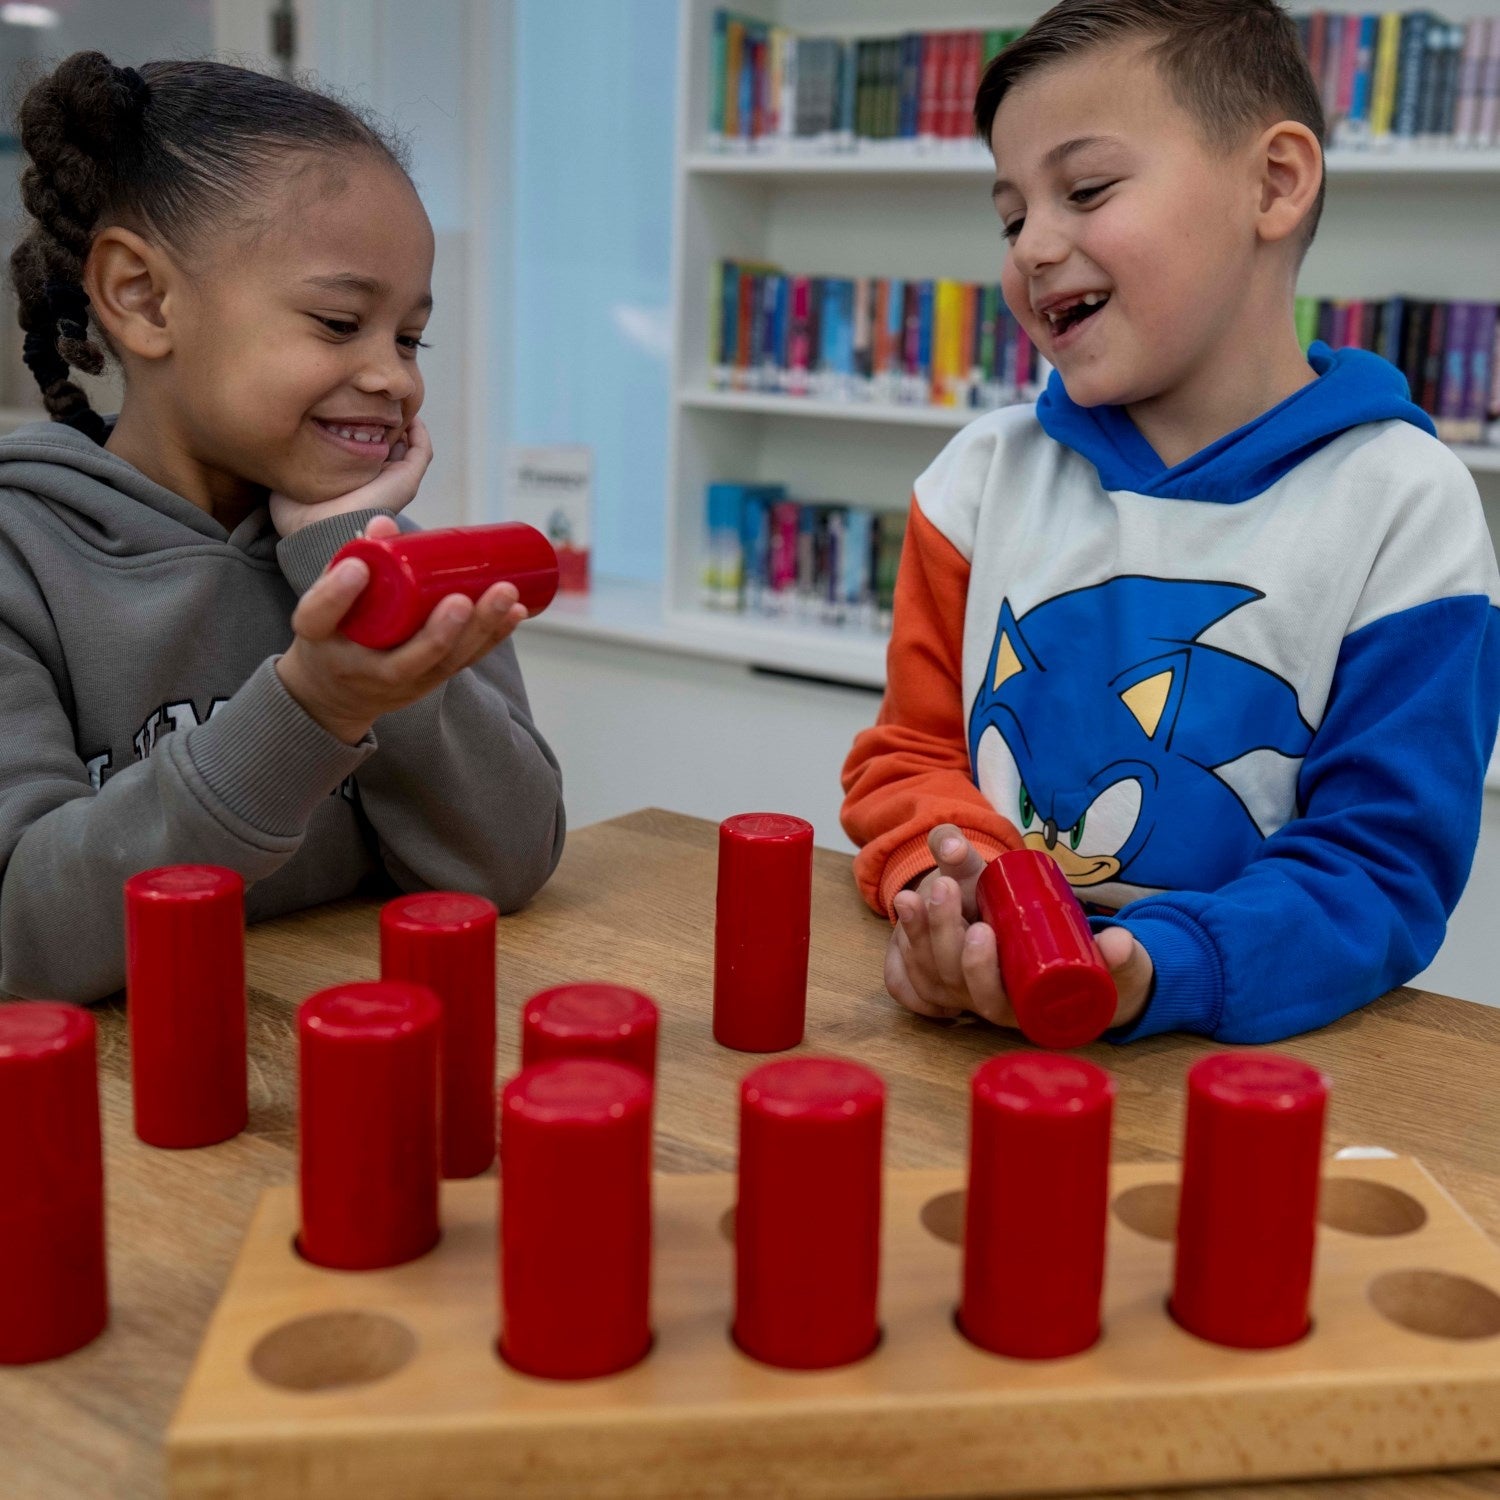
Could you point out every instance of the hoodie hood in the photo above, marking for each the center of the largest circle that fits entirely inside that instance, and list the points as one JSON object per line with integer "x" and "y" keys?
{"x": 1353, "y": 387}
{"x": 107, "y": 503}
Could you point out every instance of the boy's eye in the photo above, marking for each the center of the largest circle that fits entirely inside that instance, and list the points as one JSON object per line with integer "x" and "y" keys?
{"x": 1082, "y": 196}
{"x": 341, "y": 326}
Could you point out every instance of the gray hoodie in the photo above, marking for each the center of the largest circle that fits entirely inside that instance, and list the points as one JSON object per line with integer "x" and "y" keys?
{"x": 142, "y": 723}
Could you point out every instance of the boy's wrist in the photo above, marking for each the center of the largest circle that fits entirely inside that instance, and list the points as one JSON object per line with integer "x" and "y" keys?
{"x": 351, "y": 730}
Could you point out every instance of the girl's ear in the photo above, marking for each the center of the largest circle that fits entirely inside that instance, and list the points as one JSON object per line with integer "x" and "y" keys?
{"x": 130, "y": 282}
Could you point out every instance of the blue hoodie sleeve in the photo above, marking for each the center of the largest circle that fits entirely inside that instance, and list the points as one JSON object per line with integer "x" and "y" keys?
{"x": 1351, "y": 898}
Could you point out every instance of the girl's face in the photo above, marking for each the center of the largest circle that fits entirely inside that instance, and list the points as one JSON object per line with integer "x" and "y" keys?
{"x": 295, "y": 347}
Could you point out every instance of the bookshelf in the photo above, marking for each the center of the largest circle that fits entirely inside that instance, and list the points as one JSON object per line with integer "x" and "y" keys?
{"x": 886, "y": 211}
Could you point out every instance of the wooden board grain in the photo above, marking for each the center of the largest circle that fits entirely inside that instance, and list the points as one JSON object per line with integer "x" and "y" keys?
{"x": 318, "y": 1385}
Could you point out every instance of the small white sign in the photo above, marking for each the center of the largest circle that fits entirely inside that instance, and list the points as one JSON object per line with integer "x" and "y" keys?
{"x": 553, "y": 490}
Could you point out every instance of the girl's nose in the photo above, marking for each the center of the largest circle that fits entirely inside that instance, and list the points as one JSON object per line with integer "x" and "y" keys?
{"x": 394, "y": 377}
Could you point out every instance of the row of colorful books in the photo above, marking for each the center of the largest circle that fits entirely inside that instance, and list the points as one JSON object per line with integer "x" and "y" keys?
{"x": 1448, "y": 351}
{"x": 919, "y": 342}
{"x": 1394, "y": 79}
{"x": 814, "y": 561}
{"x": 774, "y": 89}
{"x": 1387, "y": 79}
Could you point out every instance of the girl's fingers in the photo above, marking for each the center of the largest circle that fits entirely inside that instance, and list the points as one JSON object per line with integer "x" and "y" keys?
{"x": 981, "y": 966}
{"x": 321, "y": 608}
{"x": 945, "y": 926}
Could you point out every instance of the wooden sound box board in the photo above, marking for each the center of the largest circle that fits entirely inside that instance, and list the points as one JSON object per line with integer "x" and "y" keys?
{"x": 385, "y": 1385}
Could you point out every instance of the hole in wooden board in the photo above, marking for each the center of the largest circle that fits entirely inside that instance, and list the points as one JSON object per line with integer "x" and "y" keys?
{"x": 1357, "y": 1205}
{"x": 325, "y": 1351}
{"x": 1150, "y": 1209}
{"x": 1437, "y": 1303}
{"x": 943, "y": 1216}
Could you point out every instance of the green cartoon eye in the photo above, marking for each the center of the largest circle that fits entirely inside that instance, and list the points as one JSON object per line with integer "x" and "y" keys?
{"x": 1075, "y": 833}
{"x": 1028, "y": 809}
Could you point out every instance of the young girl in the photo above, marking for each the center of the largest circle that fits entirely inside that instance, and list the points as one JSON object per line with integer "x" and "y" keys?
{"x": 257, "y": 259}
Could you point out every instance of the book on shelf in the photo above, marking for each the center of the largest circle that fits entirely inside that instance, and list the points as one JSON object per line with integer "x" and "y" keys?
{"x": 1388, "y": 80}
{"x": 928, "y": 341}
{"x": 811, "y": 561}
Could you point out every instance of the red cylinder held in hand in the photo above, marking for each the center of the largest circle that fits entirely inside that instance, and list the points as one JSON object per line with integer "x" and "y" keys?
{"x": 1057, "y": 983}
{"x": 185, "y": 1004}
{"x": 446, "y": 940}
{"x": 368, "y": 1115}
{"x": 411, "y": 571}
{"x": 575, "y": 1218}
{"x": 53, "y": 1290}
{"x": 1037, "y": 1204}
{"x": 761, "y": 931}
{"x": 1247, "y": 1215}
{"x": 590, "y": 1020}
{"x": 807, "y": 1225}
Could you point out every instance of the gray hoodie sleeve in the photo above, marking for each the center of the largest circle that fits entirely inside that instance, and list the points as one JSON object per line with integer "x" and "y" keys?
{"x": 463, "y": 793}
{"x": 237, "y": 790}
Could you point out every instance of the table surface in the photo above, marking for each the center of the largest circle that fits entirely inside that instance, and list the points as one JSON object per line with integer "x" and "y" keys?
{"x": 632, "y": 902}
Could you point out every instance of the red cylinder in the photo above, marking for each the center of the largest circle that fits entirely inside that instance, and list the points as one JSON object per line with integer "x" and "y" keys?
{"x": 590, "y": 1020}
{"x": 446, "y": 940}
{"x": 807, "y": 1226}
{"x": 54, "y": 1296}
{"x": 185, "y": 1004}
{"x": 369, "y": 1131}
{"x": 411, "y": 571}
{"x": 1037, "y": 1204}
{"x": 575, "y": 1218}
{"x": 761, "y": 931}
{"x": 1247, "y": 1216}
{"x": 1058, "y": 985}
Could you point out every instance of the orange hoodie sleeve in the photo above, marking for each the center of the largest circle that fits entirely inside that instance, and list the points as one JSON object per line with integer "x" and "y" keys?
{"x": 910, "y": 771}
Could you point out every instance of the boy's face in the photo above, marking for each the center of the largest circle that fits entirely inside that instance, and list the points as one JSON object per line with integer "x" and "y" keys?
{"x": 300, "y": 357}
{"x": 1144, "y": 216}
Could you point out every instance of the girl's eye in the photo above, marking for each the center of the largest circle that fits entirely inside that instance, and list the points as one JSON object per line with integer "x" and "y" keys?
{"x": 411, "y": 341}
{"x": 341, "y": 326}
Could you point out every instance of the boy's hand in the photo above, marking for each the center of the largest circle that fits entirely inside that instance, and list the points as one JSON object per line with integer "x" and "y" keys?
{"x": 941, "y": 962}
{"x": 392, "y": 489}
{"x": 346, "y": 687}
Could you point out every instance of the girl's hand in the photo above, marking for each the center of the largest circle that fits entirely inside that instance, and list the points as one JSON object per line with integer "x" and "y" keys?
{"x": 392, "y": 489}
{"x": 346, "y": 687}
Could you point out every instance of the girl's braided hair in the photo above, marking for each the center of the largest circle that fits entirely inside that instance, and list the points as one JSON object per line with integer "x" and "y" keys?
{"x": 168, "y": 152}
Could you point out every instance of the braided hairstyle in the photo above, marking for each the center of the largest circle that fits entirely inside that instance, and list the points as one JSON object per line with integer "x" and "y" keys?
{"x": 168, "y": 152}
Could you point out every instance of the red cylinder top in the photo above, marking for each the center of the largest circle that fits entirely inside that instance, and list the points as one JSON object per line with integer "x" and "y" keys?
{"x": 1042, "y": 1084}
{"x": 371, "y": 1010}
{"x": 1258, "y": 1081}
{"x": 578, "y": 1091}
{"x": 34, "y": 1030}
{"x": 766, "y": 827}
{"x": 437, "y": 911}
{"x": 812, "y": 1088}
{"x": 584, "y": 1010}
{"x": 178, "y": 883}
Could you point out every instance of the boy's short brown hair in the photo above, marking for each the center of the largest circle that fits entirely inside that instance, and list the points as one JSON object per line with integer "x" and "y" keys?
{"x": 1233, "y": 65}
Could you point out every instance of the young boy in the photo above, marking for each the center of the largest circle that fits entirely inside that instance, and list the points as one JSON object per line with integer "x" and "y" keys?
{"x": 1212, "y": 622}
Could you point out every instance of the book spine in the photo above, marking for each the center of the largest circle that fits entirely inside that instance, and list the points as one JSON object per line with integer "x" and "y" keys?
{"x": 1328, "y": 85}
{"x": 1348, "y": 68}
{"x": 1432, "y": 363}
{"x": 1477, "y": 382}
{"x": 1317, "y": 46}
{"x": 1454, "y": 370}
{"x": 953, "y": 61}
{"x": 925, "y": 314}
{"x": 1466, "y": 116}
{"x": 1429, "y": 88}
{"x": 729, "y": 322}
{"x": 716, "y": 81}
{"x": 911, "y": 85}
{"x": 1305, "y": 319}
{"x": 1492, "y": 429}
{"x": 1487, "y": 132}
{"x": 929, "y": 101}
{"x": 1364, "y": 69}
{"x": 844, "y": 71}
{"x": 1446, "y": 108}
{"x": 969, "y": 344}
{"x": 734, "y": 41}
{"x": 1383, "y": 99}
{"x": 1409, "y": 77}
{"x": 973, "y": 66}
{"x": 1391, "y": 330}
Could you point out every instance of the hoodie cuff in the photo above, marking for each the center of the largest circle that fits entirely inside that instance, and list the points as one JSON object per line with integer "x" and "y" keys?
{"x": 1187, "y": 992}
{"x": 304, "y": 554}
{"x": 266, "y": 760}
{"x": 913, "y": 858}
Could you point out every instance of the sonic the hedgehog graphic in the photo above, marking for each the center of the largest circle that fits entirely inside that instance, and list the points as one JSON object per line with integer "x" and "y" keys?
{"x": 1138, "y": 757}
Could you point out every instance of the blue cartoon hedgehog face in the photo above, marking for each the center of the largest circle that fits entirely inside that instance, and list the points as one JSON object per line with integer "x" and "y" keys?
{"x": 1129, "y": 751}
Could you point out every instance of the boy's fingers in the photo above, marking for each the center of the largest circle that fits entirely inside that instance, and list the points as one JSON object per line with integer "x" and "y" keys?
{"x": 382, "y": 526}
{"x": 981, "y": 966}
{"x": 945, "y": 926}
{"x": 899, "y": 983}
{"x": 954, "y": 853}
{"x": 321, "y": 608}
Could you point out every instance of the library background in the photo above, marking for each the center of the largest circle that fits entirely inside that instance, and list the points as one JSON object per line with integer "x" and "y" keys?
{"x": 735, "y": 274}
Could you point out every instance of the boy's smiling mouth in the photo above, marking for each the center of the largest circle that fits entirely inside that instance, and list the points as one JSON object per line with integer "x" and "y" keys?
{"x": 1063, "y": 314}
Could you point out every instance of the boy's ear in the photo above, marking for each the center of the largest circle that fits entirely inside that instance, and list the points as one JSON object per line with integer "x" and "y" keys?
{"x": 129, "y": 282}
{"x": 1291, "y": 174}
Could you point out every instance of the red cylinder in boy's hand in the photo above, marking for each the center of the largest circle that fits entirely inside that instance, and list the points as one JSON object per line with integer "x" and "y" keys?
{"x": 1037, "y": 1204}
{"x": 368, "y": 1114}
{"x": 807, "y": 1224}
{"x": 590, "y": 1020}
{"x": 411, "y": 571}
{"x": 1054, "y": 978}
{"x": 575, "y": 1218}
{"x": 1247, "y": 1215}
{"x": 761, "y": 931}
{"x": 53, "y": 1290}
{"x": 446, "y": 940}
{"x": 185, "y": 1003}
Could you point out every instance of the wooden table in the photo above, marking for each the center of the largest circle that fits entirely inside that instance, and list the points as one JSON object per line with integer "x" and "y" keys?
{"x": 632, "y": 901}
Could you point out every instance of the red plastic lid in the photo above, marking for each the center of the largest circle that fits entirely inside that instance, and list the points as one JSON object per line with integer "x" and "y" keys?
{"x": 577, "y": 1091}
{"x": 438, "y": 910}
{"x": 762, "y": 825}
{"x": 1068, "y": 1006}
{"x": 1258, "y": 1081}
{"x": 584, "y": 1010}
{"x": 1038, "y": 1083}
{"x": 389, "y": 610}
{"x": 380, "y": 1010}
{"x": 820, "y": 1088}
{"x": 185, "y": 883}
{"x": 31, "y": 1030}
